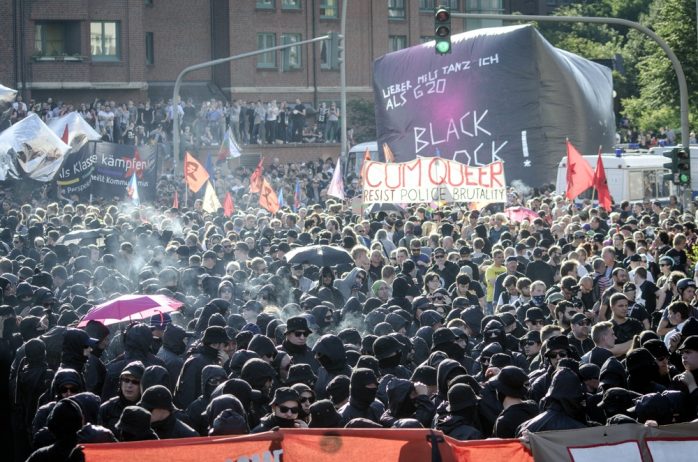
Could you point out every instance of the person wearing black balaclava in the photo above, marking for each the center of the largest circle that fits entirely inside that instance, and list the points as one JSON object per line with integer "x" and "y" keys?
{"x": 461, "y": 420}
{"x": 77, "y": 345}
{"x": 407, "y": 400}
{"x": 261, "y": 376}
{"x": 494, "y": 332}
{"x": 643, "y": 372}
{"x": 362, "y": 397}
{"x": 95, "y": 370}
{"x": 445, "y": 372}
{"x": 33, "y": 380}
{"x": 329, "y": 351}
{"x": 389, "y": 352}
{"x": 563, "y": 405}
{"x": 211, "y": 376}
{"x": 172, "y": 350}
{"x": 225, "y": 415}
{"x": 188, "y": 388}
{"x": 137, "y": 341}
{"x": 284, "y": 414}
{"x": 553, "y": 350}
{"x": 64, "y": 422}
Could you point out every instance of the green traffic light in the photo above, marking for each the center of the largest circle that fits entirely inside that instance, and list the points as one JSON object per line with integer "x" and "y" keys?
{"x": 443, "y": 47}
{"x": 683, "y": 178}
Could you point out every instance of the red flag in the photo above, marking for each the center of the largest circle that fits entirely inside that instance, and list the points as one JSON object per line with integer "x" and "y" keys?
{"x": 601, "y": 184}
{"x": 194, "y": 173}
{"x": 268, "y": 198}
{"x": 65, "y": 136}
{"x": 228, "y": 205}
{"x": 580, "y": 176}
{"x": 175, "y": 201}
{"x": 256, "y": 178}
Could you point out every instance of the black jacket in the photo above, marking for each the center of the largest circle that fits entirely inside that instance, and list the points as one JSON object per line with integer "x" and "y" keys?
{"x": 333, "y": 359}
{"x": 172, "y": 427}
{"x": 401, "y": 406}
{"x": 458, "y": 427}
{"x": 110, "y": 411}
{"x": 172, "y": 350}
{"x": 189, "y": 383}
{"x": 300, "y": 354}
{"x": 513, "y": 416}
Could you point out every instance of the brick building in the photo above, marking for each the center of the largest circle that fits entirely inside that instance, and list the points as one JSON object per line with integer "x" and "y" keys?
{"x": 77, "y": 50}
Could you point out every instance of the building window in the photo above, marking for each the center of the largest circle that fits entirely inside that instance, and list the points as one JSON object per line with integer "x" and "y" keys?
{"x": 56, "y": 38}
{"x": 291, "y": 58}
{"x": 290, "y": 4}
{"x": 266, "y": 4}
{"x": 396, "y": 9}
{"x": 149, "y": 48}
{"x": 485, "y": 6}
{"x": 328, "y": 8}
{"x": 429, "y": 5}
{"x": 104, "y": 40}
{"x": 397, "y": 42}
{"x": 266, "y": 60}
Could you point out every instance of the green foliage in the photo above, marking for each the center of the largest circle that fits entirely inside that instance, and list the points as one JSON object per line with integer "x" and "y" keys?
{"x": 361, "y": 116}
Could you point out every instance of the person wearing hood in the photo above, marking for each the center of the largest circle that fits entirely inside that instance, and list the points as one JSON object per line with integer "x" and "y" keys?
{"x": 128, "y": 395}
{"x": 225, "y": 415}
{"x": 408, "y": 400}
{"x": 445, "y": 372}
{"x": 77, "y": 346}
{"x": 285, "y": 408}
{"x": 494, "y": 332}
{"x": 155, "y": 375}
{"x": 64, "y": 422}
{"x": 324, "y": 318}
{"x": 511, "y": 386}
{"x": 241, "y": 390}
{"x": 211, "y": 377}
{"x": 158, "y": 401}
{"x": 563, "y": 405}
{"x": 172, "y": 350}
{"x": 95, "y": 370}
{"x": 188, "y": 388}
{"x": 389, "y": 352}
{"x": 137, "y": 342}
{"x": 643, "y": 372}
{"x": 261, "y": 376}
{"x": 553, "y": 350}
{"x": 134, "y": 425}
{"x": 33, "y": 379}
{"x": 461, "y": 421}
{"x": 330, "y": 353}
{"x": 295, "y": 342}
{"x": 362, "y": 397}
{"x": 351, "y": 284}
{"x": 325, "y": 281}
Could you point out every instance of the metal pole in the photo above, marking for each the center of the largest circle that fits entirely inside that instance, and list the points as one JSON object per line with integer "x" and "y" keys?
{"x": 343, "y": 81}
{"x": 676, "y": 64}
{"x": 215, "y": 62}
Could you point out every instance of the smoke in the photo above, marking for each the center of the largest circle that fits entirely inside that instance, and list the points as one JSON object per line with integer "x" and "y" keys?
{"x": 521, "y": 188}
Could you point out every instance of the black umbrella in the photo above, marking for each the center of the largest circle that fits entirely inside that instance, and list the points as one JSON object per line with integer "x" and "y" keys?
{"x": 319, "y": 255}
{"x": 74, "y": 237}
{"x": 383, "y": 207}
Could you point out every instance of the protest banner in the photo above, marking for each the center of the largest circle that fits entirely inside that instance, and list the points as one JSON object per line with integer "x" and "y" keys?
{"x": 433, "y": 179}
{"x": 104, "y": 169}
{"x": 503, "y": 93}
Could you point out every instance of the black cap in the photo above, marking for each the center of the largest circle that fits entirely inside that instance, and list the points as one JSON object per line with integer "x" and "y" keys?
{"x": 441, "y": 336}
{"x": 386, "y": 346}
{"x": 134, "y": 369}
{"x": 511, "y": 381}
{"x": 283, "y": 394}
{"x": 297, "y": 323}
{"x": 461, "y": 396}
{"x": 534, "y": 314}
{"x": 589, "y": 371}
{"x": 324, "y": 415}
{"x": 215, "y": 334}
{"x": 691, "y": 343}
{"x": 157, "y": 397}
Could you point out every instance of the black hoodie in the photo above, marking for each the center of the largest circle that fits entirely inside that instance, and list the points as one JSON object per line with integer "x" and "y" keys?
{"x": 401, "y": 406}
{"x": 333, "y": 359}
{"x": 73, "y": 356}
{"x": 172, "y": 349}
{"x": 195, "y": 410}
{"x": 362, "y": 399}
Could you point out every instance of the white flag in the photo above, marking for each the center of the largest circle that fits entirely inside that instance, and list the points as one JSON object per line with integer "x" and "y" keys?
{"x": 211, "y": 202}
{"x": 132, "y": 190}
{"x": 336, "y": 187}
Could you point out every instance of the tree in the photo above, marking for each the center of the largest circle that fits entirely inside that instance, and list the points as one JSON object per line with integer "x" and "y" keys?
{"x": 361, "y": 116}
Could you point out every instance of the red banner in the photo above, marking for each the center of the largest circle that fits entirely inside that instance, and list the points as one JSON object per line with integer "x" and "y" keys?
{"x": 342, "y": 445}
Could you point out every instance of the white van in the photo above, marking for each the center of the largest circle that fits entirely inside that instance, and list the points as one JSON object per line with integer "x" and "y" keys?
{"x": 631, "y": 177}
{"x": 351, "y": 165}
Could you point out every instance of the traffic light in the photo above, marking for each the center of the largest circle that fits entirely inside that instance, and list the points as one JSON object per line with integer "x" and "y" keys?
{"x": 335, "y": 50}
{"x": 442, "y": 30}
{"x": 683, "y": 166}
{"x": 671, "y": 165}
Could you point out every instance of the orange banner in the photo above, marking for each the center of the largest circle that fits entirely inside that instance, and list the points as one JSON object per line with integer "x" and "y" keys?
{"x": 342, "y": 445}
{"x": 194, "y": 173}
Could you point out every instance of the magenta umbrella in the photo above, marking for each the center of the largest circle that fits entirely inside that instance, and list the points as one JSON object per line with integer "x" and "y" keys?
{"x": 520, "y": 214}
{"x": 130, "y": 307}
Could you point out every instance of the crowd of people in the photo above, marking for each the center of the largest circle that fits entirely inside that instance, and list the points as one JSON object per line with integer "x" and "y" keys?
{"x": 457, "y": 320}
{"x": 203, "y": 124}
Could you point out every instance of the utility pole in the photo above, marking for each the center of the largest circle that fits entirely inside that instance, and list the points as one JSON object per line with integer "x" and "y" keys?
{"x": 215, "y": 62}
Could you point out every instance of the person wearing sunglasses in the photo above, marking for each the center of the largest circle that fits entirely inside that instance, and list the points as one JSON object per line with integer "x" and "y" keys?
{"x": 295, "y": 342}
{"x": 307, "y": 397}
{"x": 129, "y": 395}
{"x": 285, "y": 409}
{"x": 580, "y": 326}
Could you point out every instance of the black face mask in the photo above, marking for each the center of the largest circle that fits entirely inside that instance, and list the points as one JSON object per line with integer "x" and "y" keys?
{"x": 390, "y": 361}
{"x": 284, "y": 422}
{"x": 454, "y": 351}
{"x": 325, "y": 361}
